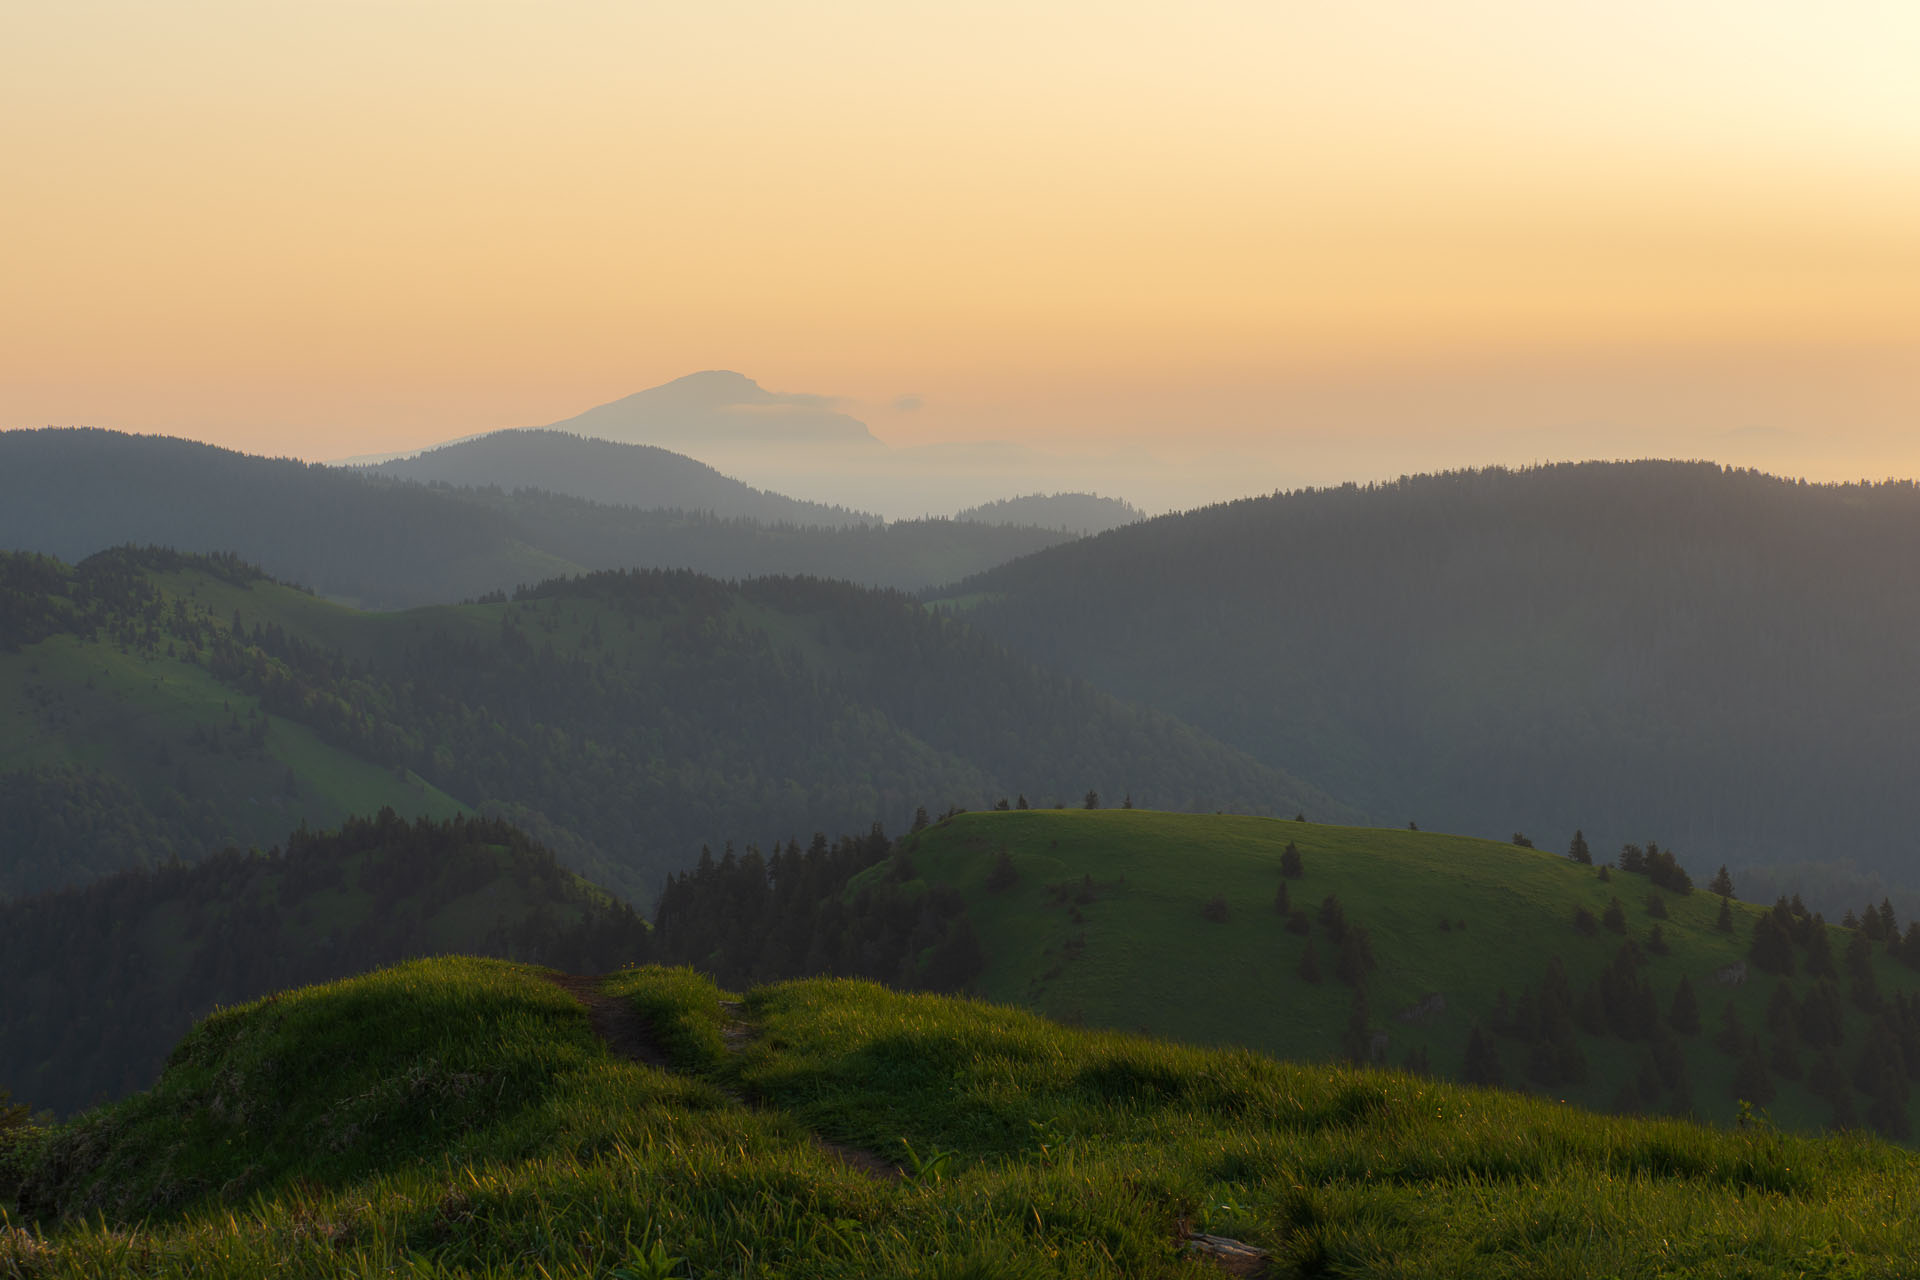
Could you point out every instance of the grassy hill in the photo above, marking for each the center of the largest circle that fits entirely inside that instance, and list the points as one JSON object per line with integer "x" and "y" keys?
{"x": 470, "y": 1118}
{"x": 102, "y": 981}
{"x": 1713, "y": 657}
{"x": 1106, "y": 921}
{"x": 159, "y": 703}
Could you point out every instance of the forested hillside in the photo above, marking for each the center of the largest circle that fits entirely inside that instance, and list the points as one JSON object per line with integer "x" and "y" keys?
{"x": 629, "y": 475}
{"x": 101, "y": 981}
{"x": 623, "y": 719}
{"x": 1631, "y": 987}
{"x": 383, "y": 543}
{"x": 1074, "y": 512}
{"x": 1717, "y": 656}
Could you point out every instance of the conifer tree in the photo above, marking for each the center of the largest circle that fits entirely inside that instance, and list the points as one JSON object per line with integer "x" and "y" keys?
{"x": 1020, "y": 801}
{"x": 1355, "y": 959}
{"x": 1731, "y": 1037}
{"x": 1309, "y": 964}
{"x": 1482, "y": 1065}
{"x": 1684, "y": 1014}
{"x": 1722, "y": 883}
{"x": 1290, "y": 864}
{"x": 1724, "y": 921}
{"x": 1356, "y": 1042}
{"x": 1281, "y": 904}
{"x": 1861, "y": 986}
{"x": 1821, "y": 1024}
{"x": 1751, "y": 1081}
{"x": 1819, "y": 950}
{"x": 1772, "y": 947}
{"x": 1578, "y": 850}
{"x": 1091, "y": 800}
{"x": 1333, "y": 917}
{"x": 1615, "y": 917}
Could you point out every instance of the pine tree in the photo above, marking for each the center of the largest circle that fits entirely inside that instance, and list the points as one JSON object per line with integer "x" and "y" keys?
{"x": 1482, "y": 1065}
{"x": 1578, "y": 850}
{"x": 1722, "y": 883}
{"x": 1615, "y": 917}
{"x": 1656, "y": 906}
{"x": 920, "y": 820}
{"x": 1751, "y": 1082}
{"x": 1772, "y": 947}
{"x": 1731, "y": 1036}
{"x": 1282, "y": 905}
{"x": 1684, "y": 1014}
{"x": 1821, "y": 1023}
{"x": 1356, "y": 1042}
{"x": 1820, "y": 950}
{"x": 1333, "y": 917}
{"x": 1310, "y": 964}
{"x": 1355, "y": 959}
{"x": 1091, "y": 800}
{"x": 1020, "y": 801}
{"x": 1290, "y": 864}
{"x": 1861, "y": 986}
{"x": 1724, "y": 921}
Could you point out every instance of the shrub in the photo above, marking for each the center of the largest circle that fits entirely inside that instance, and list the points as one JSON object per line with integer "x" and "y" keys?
{"x": 1583, "y": 922}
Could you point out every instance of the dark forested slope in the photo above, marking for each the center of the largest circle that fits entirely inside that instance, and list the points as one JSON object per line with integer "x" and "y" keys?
{"x": 101, "y": 981}
{"x": 1717, "y": 658}
{"x": 1075, "y": 512}
{"x": 631, "y": 475}
{"x": 623, "y": 719}
{"x": 384, "y": 543}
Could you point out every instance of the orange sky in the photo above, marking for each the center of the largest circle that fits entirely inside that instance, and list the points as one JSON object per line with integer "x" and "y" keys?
{"x": 1390, "y": 233}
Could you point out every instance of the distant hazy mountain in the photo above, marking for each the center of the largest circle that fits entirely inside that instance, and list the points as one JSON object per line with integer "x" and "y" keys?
{"x": 633, "y": 475}
{"x": 1074, "y": 512}
{"x": 380, "y": 542}
{"x": 721, "y": 409}
{"x": 1719, "y": 660}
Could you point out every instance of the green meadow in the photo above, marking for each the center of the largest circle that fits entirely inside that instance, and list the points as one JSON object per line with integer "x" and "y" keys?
{"x": 462, "y": 1118}
{"x": 1106, "y": 925}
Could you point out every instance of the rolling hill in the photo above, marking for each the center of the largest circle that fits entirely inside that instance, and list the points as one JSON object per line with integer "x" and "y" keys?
{"x": 378, "y": 542}
{"x": 1081, "y": 513}
{"x": 603, "y": 471}
{"x": 1716, "y": 659}
{"x": 466, "y": 1117}
{"x": 102, "y": 981}
{"x": 624, "y": 720}
{"x": 1167, "y": 923}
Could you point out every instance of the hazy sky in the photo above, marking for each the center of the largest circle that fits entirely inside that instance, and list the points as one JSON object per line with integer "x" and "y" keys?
{"x": 1329, "y": 238}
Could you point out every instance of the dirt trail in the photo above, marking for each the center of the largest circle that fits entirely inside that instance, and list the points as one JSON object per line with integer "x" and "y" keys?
{"x": 627, "y": 1035}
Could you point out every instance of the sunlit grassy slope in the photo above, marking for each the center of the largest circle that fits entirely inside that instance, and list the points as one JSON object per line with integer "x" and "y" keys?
{"x": 1142, "y": 955}
{"x": 460, "y": 1118}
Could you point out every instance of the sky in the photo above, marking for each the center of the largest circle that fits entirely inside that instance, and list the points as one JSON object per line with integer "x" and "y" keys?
{"x": 1204, "y": 248}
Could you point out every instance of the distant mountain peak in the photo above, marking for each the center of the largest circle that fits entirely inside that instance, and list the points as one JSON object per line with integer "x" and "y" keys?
{"x": 720, "y": 407}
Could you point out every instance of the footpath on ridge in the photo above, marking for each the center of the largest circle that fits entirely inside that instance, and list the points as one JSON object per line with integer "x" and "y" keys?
{"x": 624, "y": 1030}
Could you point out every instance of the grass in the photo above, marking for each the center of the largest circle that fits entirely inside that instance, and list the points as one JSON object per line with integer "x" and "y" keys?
{"x": 1141, "y": 956}
{"x": 323, "y": 1134}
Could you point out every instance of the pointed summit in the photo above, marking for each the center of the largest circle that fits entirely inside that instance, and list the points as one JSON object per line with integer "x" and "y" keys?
{"x": 721, "y": 408}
